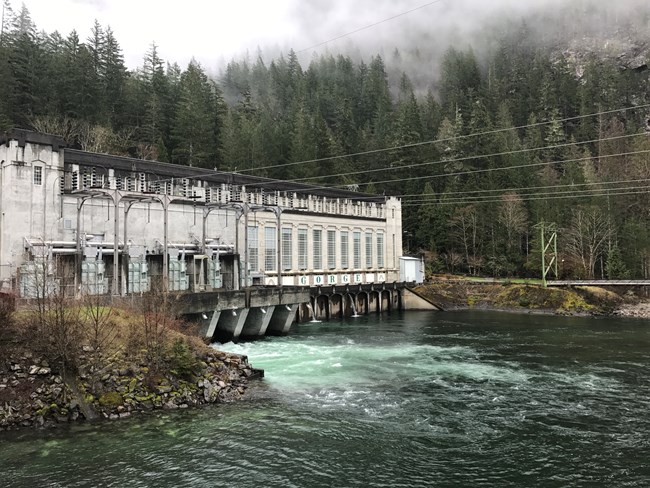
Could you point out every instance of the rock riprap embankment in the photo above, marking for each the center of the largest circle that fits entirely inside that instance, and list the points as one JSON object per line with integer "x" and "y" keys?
{"x": 33, "y": 395}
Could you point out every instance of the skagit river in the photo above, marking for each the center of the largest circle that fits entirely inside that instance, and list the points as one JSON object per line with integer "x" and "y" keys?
{"x": 402, "y": 400}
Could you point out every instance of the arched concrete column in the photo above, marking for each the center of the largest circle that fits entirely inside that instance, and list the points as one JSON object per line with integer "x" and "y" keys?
{"x": 396, "y": 300}
{"x": 321, "y": 307}
{"x": 362, "y": 303}
{"x": 336, "y": 306}
{"x": 374, "y": 302}
{"x": 305, "y": 312}
{"x": 386, "y": 300}
{"x": 349, "y": 304}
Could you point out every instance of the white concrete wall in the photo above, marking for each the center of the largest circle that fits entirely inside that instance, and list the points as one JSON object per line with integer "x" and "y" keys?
{"x": 145, "y": 222}
{"x": 27, "y": 209}
{"x": 39, "y": 212}
{"x": 374, "y": 273}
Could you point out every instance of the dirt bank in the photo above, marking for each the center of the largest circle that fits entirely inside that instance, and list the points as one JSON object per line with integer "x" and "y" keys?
{"x": 585, "y": 300}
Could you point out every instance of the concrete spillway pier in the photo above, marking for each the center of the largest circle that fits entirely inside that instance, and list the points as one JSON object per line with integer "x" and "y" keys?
{"x": 271, "y": 310}
{"x": 332, "y": 302}
{"x": 238, "y": 314}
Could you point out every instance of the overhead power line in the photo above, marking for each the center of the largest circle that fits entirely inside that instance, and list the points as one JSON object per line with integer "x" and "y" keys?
{"x": 398, "y": 180}
{"x": 612, "y": 193}
{"x": 505, "y": 168}
{"x": 477, "y": 171}
{"x": 468, "y": 158}
{"x": 490, "y": 198}
{"x": 504, "y": 191}
{"x": 369, "y": 26}
{"x": 447, "y": 139}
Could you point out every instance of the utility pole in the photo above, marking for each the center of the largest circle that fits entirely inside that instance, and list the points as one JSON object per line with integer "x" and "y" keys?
{"x": 549, "y": 248}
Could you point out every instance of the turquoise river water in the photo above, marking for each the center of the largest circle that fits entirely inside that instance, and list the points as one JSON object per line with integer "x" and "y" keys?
{"x": 403, "y": 400}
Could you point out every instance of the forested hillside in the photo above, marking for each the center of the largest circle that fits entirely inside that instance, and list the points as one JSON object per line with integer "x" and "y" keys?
{"x": 532, "y": 130}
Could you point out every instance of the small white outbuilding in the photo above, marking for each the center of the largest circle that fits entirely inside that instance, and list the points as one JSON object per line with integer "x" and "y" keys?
{"x": 411, "y": 269}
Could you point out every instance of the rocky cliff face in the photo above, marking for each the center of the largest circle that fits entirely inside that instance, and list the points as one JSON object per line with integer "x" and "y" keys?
{"x": 610, "y": 33}
{"x": 625, "y": 52}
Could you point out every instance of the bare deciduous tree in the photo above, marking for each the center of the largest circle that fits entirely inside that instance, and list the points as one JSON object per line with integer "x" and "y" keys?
{"x": 453, "y": 260}
{"x": 69, "y": 129}
{"x": 99, "y": 328}
{"x": 513, "y": 217}
{"x": 465, "y": 227}
{"x": 93, "y": 138}
{"x": 57, "y": 319}
{"x": 587, "y": 236}
{"x": 157, "y": 318}
{"x": 98, "y": 138}
{"x": 7, "y": 309}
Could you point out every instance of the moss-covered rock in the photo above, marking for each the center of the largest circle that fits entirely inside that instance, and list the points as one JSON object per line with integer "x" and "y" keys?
{"x": 111, "y": 399}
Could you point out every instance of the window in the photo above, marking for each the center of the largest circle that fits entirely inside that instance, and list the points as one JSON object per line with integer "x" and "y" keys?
{"x": 287, "y": 256}
{"x": 269, "y": 248}
{"x": 345, "y": 250}
{"x": 331, "y": 249}
{"x": 38, "y": 175}
{"x": 380, "y": 250}
{"x": 368, "y": 249}
{"x": 318, "y": 248}
{"x": 253, "y": 251}
{"x": 302, "y": 248}
{"x": 356, "y": 249}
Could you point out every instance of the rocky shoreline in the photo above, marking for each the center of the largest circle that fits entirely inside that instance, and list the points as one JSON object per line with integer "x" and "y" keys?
{"x": 33, "y": 395}
{"x": 638, "y": 310}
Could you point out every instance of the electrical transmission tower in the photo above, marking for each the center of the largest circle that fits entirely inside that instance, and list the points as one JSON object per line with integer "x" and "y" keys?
{"x": 548, "y": 234}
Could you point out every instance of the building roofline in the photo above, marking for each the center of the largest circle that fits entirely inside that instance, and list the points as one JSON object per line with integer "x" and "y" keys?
{"x": 169, "y": 170}
{"x": 108, "y": 161}
{"x": 24, "y": 136}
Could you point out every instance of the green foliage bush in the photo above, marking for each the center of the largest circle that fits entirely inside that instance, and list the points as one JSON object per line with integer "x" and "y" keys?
{"x": 182, "y": 359}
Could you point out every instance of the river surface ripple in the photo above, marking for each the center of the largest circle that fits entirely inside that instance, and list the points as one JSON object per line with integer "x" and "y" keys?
{"x": 401, "y": 400}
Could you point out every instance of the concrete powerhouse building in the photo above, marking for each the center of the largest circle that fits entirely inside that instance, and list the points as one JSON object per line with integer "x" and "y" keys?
{"x": 100, "y": 224}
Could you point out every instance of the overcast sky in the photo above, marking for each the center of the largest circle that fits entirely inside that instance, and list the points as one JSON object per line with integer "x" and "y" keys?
{"x": 215, "y": 31}
{"x": 209, "y": 30}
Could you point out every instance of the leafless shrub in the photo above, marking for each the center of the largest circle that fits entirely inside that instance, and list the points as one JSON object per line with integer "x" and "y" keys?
{"x": 99, "y": 328}
{"x": 157, "y": 319}
{"x": 56, "y": 318}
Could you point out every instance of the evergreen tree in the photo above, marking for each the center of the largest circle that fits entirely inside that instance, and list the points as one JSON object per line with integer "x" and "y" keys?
{"x": 113, "y": 75}
{"x": 24, "y": 57}
{"x": 460, "y": 81}
{"x": 194, "y": 128}
{"x": 615, "y": 267}
{"x": 154, "y": 88}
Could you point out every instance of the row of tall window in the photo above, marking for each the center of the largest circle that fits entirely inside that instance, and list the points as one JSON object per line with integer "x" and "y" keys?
{"x": 270, "y": 249}
{"x": 323, "y": 254}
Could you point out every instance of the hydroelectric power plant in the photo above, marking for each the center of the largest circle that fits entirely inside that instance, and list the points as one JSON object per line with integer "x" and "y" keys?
{"x": 243, "y": 251}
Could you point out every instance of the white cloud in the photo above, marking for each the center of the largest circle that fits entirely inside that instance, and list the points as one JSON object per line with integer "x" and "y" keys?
{"x": 207, "y": 30}
{"x": 214, "y": 31}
